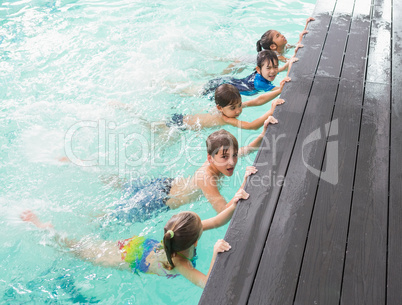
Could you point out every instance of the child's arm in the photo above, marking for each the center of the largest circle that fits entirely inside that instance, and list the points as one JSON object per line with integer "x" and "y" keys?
{"x": 218, "y": 202}
{"x": 266, "y": 97}
{"x": 286, "y": 79}
{"x": 299, "y": 45}
{"x": 308, "y": 20}
{"x": 282, "y": 58}
{"x": 193, "y": 275}
{"x": 183, "y": 266}
{"x": 250, "y": 170}
{"x": 255, "y": 144}
{"x": 288, "y": 65}
{"x": 284, "y": 67}
{"x": 223, "y": 217}
{"x": 292, "y": 60}
{"x": 215, "y": 198}
{"x": 257, "y": 123}
{"x": 262, "y": 99}
{"x": 212, "y": 194}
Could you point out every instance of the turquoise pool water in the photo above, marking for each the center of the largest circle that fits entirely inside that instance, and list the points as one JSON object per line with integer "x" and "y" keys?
{"x": 62, "y": 63}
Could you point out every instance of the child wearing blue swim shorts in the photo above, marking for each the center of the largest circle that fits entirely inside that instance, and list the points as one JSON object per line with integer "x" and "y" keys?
{"x": 143, "y": 200}
{"x": 228, "y": 100}
{"x": 229, "y": 107}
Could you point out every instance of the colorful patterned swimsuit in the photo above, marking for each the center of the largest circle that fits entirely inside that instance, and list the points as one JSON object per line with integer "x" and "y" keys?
{"x": 136, "y": 249}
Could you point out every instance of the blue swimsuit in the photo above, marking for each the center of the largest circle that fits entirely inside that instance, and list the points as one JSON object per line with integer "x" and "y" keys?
{"x": 249, "y": 85}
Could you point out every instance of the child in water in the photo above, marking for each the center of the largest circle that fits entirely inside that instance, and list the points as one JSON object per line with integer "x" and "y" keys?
{"x": 259, "y": 81}
{"x": 275, "y": 41}
{"x": 228, "y": 99}
{"x": 144, "y": 201}
{"x": 175, "y": 255}
{"x": 229, "y": 106}
{"x": 270, "y": 40}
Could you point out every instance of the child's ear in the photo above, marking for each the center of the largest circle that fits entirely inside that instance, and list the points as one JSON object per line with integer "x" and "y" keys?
{"x": 196, "y": 243}
{"x": 220, "y": 108}
{"x": 209, "y": 158}
{"x": 272, "y": 46}
{"x": 258, "y": 69}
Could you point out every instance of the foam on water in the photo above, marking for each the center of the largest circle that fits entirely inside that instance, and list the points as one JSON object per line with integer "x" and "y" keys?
{"x": 62, "y": 64}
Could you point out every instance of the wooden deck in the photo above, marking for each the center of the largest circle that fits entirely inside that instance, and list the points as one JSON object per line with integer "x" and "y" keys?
{"x": 331, "y": 233}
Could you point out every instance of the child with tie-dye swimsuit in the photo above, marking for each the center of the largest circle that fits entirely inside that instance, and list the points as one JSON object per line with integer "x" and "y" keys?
{"x": 173, "y": 256}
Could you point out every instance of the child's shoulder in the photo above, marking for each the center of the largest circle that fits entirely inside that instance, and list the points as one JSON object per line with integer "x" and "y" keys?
{"x": 204, "y": 177}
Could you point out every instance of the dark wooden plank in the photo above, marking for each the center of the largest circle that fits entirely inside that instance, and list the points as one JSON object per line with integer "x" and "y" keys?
{"x": 366, "y": 257}
{"x": 313, "y": 42}
{"x": 324, "y": 7}
{"x": 277, "y": 274}
{"x": 278, "y": 271}
{"x": 394, "y": 291}
{"x": 355, "y": 58}
{"x": 322, "y": 270}
{"x": 331, "y": 59}
{"x": 234, "y": 272}
{"x": 379, "y": 68}
{"x": 365, "y": 265}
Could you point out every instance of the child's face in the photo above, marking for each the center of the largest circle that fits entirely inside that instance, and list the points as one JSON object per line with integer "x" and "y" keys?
{"x": 278, "y": 39}
{"x": 225, "y": 161}
{"x": 231, "y": 111}
{"x": 268, "y": 70}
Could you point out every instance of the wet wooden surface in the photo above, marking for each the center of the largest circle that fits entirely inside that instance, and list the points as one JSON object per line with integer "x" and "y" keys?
{"x": 331, "y": 233}
{"x": 394, "y": 275}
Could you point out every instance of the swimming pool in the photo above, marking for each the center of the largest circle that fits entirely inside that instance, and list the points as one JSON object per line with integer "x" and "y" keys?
{"x": 62, "y": 63}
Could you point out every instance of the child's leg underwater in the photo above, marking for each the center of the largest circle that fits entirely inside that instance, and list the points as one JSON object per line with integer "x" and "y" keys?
{"x": 184, "y": 88}
{"x": 104, "y": 253}
{"x": 161, "y": 129}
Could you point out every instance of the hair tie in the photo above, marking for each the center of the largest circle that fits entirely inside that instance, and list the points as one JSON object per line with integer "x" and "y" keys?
{"x": 171, "y": 233}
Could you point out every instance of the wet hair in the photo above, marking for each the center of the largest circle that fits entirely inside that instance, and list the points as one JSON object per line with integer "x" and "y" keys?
{"x": 221, "y": 138}
{"x": 266, "y": 40}
{"x": 266, "y": 55}
{"x": 186, "y": 227}
{"x": 227, "y": 94}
